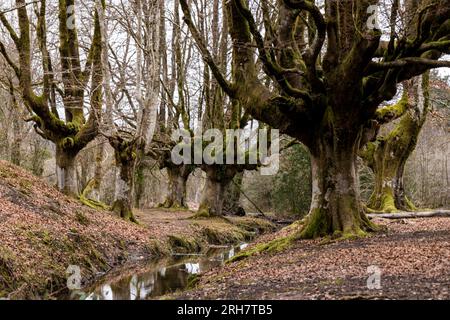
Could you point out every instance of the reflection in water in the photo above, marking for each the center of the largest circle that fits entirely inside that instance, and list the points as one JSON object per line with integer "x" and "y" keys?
{"x": 159, "y": 281}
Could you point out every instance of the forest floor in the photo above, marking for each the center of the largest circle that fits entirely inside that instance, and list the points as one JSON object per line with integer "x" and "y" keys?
{"x": 413, "y": 256}
{"x": 43, "y": 232}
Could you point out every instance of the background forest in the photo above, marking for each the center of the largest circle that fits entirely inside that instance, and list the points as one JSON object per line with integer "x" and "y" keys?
{"x": 286, "y": 194}
{"x": 89, "y": 130}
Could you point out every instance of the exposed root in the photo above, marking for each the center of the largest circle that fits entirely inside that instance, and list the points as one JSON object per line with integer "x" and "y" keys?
{"x": 275, "y": 245}
{"x": 223, "y": 233}
{"x": 168, "y": 204}
{"x": 202, "y": 214}
{"x": 183, "y": 244}
{"x": 124, "y": 212}
{"x": 318, "y": 225}
{"x": 385, "y": 203}
{"x": 93, "y": 204}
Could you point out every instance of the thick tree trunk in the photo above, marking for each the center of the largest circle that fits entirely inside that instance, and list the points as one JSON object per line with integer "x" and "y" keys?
{"x": 232, "y": 205}
{"x": 218, "y": 179}
{"x": 178, "y": 176}
{"x": 126, "y": 154}
{"x": 389, "y": 191}
{"x": 387, "y": 156}
{"x": 336, "y": 206}
{"x": 213, "y": 197}
{"x": 66, "y": 172}
{"x": 123, "y": 204}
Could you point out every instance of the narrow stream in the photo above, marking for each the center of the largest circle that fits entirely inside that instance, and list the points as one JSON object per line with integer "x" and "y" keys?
{"x": 156, "y": 281}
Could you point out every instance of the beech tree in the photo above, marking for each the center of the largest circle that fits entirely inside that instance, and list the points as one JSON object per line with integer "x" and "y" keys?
{"x": 219, "y": 112}
{"x": 130, "y": 136}
{"x": 223, "y": 112}
{"x": 70, "y": 132}
{"x": 331, "y": 70}
{"x": 195, "y": 103}
{"x": 176, "y": 110}
{"x": 388, "y": 153}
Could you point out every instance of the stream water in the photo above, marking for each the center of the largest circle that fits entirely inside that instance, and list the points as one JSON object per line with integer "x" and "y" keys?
{"x": 156, "y": 280}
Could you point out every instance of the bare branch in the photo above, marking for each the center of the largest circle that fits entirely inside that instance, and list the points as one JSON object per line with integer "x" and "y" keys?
{"x": 442, "y": 46}
{"x": 226, "y": 86}
{"x": 9, "y": 60}
{"x": 19, "y": 6}
{"x": 272, "y": 67}
{"x": 313, "y": 52}
{"x": 376, "y": 66}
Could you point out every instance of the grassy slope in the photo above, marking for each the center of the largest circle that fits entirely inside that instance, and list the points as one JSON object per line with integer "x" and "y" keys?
{"x": 42, "y": 232}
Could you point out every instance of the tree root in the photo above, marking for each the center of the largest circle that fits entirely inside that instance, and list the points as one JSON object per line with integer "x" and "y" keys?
{"x": 317, "y": 225}
{"x": 94, "y": 204}
{"x": 97, "y": 205}
{"x": 275, "y": 245}
{"x": 167, "y": 204}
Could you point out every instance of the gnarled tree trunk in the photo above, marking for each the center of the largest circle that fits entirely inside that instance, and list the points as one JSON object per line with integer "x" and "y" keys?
{"x": 178, "y": 176}
{"x": 387, "y": 156}
{"x": 336, "y": 206}
{"x": 232, "y": 205}
{"x": 218, "y": 178}
{"x": 389, "y": 165}
{"x": 126, "y": 159}
{"x": 123, "y": 204}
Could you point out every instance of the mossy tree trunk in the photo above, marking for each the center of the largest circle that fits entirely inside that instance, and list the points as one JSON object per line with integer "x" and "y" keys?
{"x": 387, "y": 156}
{"x": 66, "y": 172}
{"x": 178, "y": 177}
{"x": 336, "y": 206}
{"x": 388, "y": 166}
{"x": 218, "y": 178}
{"x": 72, "y": 132}
{"x": 344, "y": 69}
{"x": 126, "y": 159}
{"x": 16, "y": 147}
{"x": 139, "y": 188}
{"x": 123, "y": 204}
{"x": 232, "y": 205}
{"x": 92, "y": 189}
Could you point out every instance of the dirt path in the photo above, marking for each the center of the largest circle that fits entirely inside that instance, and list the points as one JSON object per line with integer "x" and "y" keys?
{"x": 413, "y": 256}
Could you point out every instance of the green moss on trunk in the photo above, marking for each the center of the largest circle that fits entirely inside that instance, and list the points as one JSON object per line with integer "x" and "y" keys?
{"x": 124, "y": 211}
{"x": 387, "y": 156}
